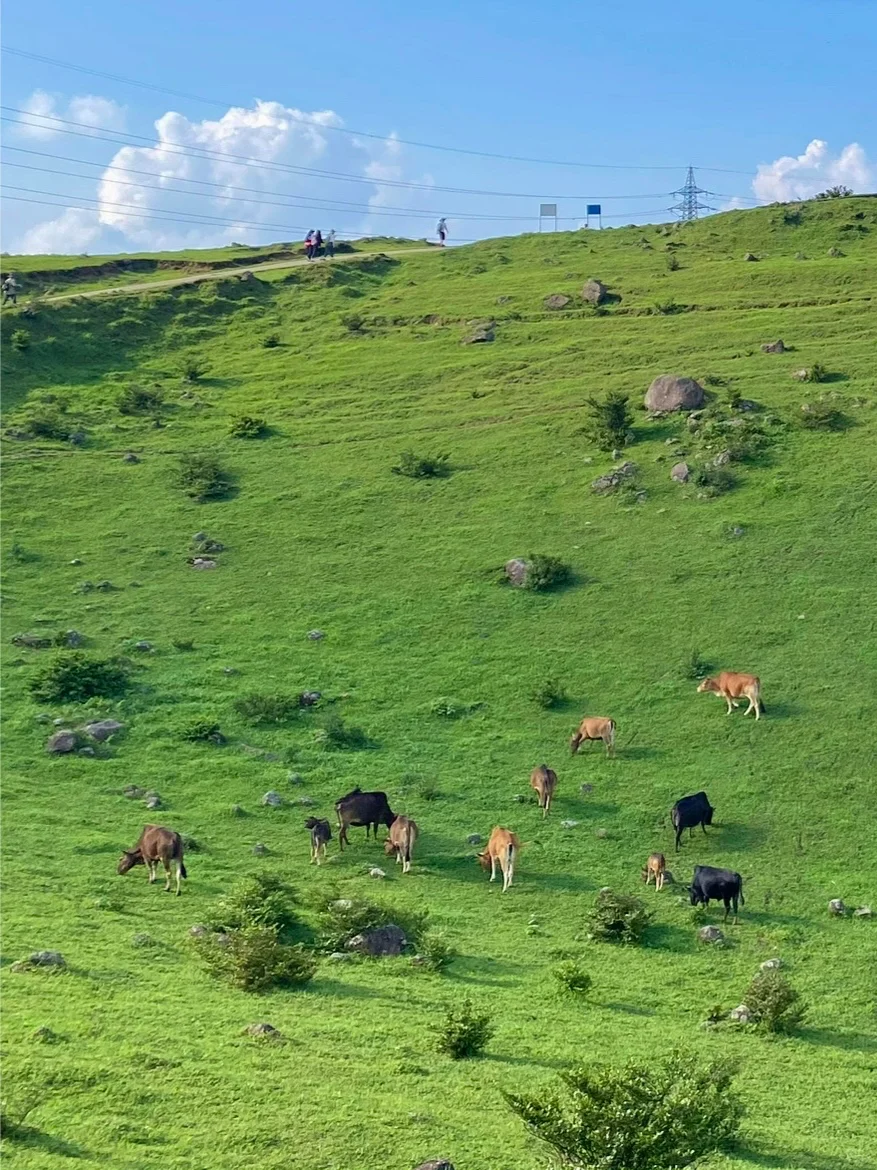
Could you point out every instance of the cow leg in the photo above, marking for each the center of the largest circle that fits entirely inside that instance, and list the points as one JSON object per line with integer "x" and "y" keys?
{"x": 492, "y": 868}
{"x": 167, "y": 875}
{"x": 659, "y": 881}
{"x": 703, "y": 826}
{"x": 678, "y": 835}
{"x": 179, "y": 876}
{"x": 731, "y": 705}
{"x": 152, "y": 866}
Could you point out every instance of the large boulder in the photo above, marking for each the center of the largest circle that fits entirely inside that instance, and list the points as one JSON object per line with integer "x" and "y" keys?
{"x": 482, "y": 334}
{"x": 382, "y": 940}
{"x": 710, "y": 934}
{"x": 674, "y": 392}
{"x": 594, "y": 292}
{"x": 62, "y": 742}
{"x": 773, "y": 347}
{"x": 516, "y": 571}
{"x": 680, "y": 472}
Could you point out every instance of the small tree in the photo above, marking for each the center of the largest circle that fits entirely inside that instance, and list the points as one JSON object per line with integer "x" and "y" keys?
{"x": 663, "y": 1115}
{"x": 75, "y": 677}
{"x": 618, "y": 918}
{"x": 774, "y": 1005}
{"x": 464, "y": 1032}
{"x": 608, "y": 420}
{"x": 838, "y": 192}
{"x": 203, "y": 478}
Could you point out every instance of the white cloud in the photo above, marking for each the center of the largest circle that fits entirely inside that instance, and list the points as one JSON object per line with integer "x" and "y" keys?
{"x": 735, "y": 203}
{"x": 74, "y": 231}
{"x": 42, "y": 112}
{"x": 787, "y": 179}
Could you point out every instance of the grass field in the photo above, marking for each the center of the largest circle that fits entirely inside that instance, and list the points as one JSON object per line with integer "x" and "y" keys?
{"x": 151, "y": 1067}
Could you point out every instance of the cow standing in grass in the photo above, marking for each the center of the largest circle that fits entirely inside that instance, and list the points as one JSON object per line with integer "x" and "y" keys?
{"x": 501, "y": 849}
{"x": 720, "y": 885}
{"x": 156, "y": 844}
{"x": 321, "y": 835}
{"x": 731, "y": 687}
{"x": 544, "y": 781}
{"x": 362, "y": 809}
{"x": 594, "y": 728}
{"x": 655, "y": 868}
{"x": 401, "y": 841}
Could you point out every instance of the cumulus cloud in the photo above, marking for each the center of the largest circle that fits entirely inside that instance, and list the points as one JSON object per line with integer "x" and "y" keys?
{"x": 787, "y": 179}
{"x": 74, "y": 230}
{"x": 43, "y": 110}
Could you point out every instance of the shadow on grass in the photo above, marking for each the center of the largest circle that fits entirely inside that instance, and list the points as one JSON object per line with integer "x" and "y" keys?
{"x": 643, "y": 752}
{"x": 326, "y": 986}
{"x": 738, "y": 835}
{"x": 629, "y": 1009}
{"x": 799, "y": 1160}
{"x": 848, "y": 1041}
{"x": 781, "y": 710}
{"x": 31, "y": 1138}
{"x": 523, "y": 1061}
{"x": 664, "y": 937}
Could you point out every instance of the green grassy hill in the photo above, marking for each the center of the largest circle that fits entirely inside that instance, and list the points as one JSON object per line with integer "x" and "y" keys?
{"x": 775, "y": 576}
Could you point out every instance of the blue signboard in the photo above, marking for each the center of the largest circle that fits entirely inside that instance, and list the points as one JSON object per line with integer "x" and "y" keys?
{"x": 594, "y": 209}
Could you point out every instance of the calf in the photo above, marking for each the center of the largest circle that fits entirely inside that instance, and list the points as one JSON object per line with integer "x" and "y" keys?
{"x": 595, "y": 728}
{"x": 691, "y": 811}
{"x": 655, "y": 867}
{"x": 731, "y": 686}
{"x": 721, "y": 885}
{"x": 321, "y": 835}
{"x": 156, "y": 845}
{"x": 360, "y": 808}
{"x": 401, "y": 840}
{"x": 544, "y": 781}
{"x": 502, "y": 847}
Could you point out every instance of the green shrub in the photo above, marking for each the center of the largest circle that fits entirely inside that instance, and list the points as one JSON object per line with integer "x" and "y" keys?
{"x": 666, "y": 308}
{"x": 192, "y": 369}
{"x": 244, "y": 426}
{"x": 202, "y": 477}
{"x": 549, "y": 693}
{"x": 268, "y": 708}
{"x": 271, "y": 341}
{"x": 572, "y": 977}
{"x": 714, "y": 380}
{"x": 673, "y": 264}
{"x": 20, "y": 340}
{"x": 336, "y": 735}
{"x": 449, "y": 708}
{"x": 435, "y": 953}
{"x": 608, "y": 420}
{"x": 663, "y": 1115}
{"x": 264, "y": 900}
{"x": 815, "y": 373}
{"x": 47, "y": 424}
{"x": 713, "y": 481}
{"x": 74, "y": 677}
{"x": 617, "y": 918}
{"x": 464, "y": 1032}
{"x": 775, "y": 1005}
{"x": 822, "y": 416}
{"x": 342, "y": 918}
{"x": 183, "y": 644}
{"x": 694, "y": 667}
{"x": 141, "y": 400}
{"x": 838, "y": 192}
{"x": 253, "y": 959}
{"x": 430, "y": 790}
{"x": 545, "y": 573}
{"x": 201, "y": 729}
{"x": 422, "y": 466}
{"x": 353, "y": 323}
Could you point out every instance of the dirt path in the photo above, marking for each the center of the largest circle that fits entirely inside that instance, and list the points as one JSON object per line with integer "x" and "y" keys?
{"x": 226, "y": 273}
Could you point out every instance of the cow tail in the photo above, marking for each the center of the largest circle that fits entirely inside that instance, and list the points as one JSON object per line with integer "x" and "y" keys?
{"x": 183, "y": 869}
{"x": 742, "y": 899}
{"x": 612, "y": 733}
{"x": 408, "y": 844}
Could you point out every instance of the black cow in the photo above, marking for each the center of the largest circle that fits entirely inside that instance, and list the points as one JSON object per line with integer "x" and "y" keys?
{"x": 321, "y": 835}
{"x": 691, "y": 811}
{"x": 360, "y": 808}
{"x": 720, "y": 885}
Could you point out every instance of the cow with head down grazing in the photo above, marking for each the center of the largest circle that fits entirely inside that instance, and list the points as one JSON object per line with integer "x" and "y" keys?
{"x": 156, "y": 844}
{"x": 594, "y": 727}
{"x": 543, "y": 780}
{"x": 401, "y": 840}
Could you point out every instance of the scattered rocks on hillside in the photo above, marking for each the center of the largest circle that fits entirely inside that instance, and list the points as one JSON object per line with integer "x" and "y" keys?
{"x": 680, "y": 472}
{"x": 62, "y": 742}
{"x": 263, "y": 1031}
{"x": 773, "y": 347}
{"x": 47, "y": 960}
{"x": 474, "y": 839}
{"x": 604, "y": 484}
{"x": 375, "y": 872}
{"x": 771, "y": 965}
{"x": 556, "y": 301}
{"x": 837, "y": 906}
{"x": 104, "y": 729}
{"x": 750, "y": 256}
{"x": 516, "y": 571}
{"x": 316, "y": 635}
{"x": 31, "y": 641}
{"x": 272, "y": 799}
{"x": 670, "y": 392}
{"x": 130, "y": 457}
{"x": 435, "y": 1164}
{"x": 382, "y": 940}
{"x": 202, "y": 562}
{"x": 863, "y": 912}
{"x": 260, "y": 849}
{"x": 594, "y": 292}
{"x": 710, "y": 934}
{"x": 133, "y": 792}
{"x": 153, "y": 801}
{"x": 481, "y": 335}
{"x": 740, "y": 1014}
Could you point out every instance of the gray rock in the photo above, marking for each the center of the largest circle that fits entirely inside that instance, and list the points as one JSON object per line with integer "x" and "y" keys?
{"x": 668, "y": 878}
{"x": 47, "y": 959}
{"x": 203, "y": 563}
{"x": 375, "y": 872}
{"x": 771, "y": 965}
{"x": 481, "y": 336}
{"x": 341, "y": 904}
{"x": 669, "y": 392}
{"x": 383, "y": 940}
{"x": 737, "y": 530}
{"x": 316, "y": 635}
{"x": 85, "y": 751}
{"x": 516, "y": 571}
{"x": 230, "y": 670}
{"x": 62, "y": 742}
{"x": 604, "y": 484}
{"x": 568, "y": 824}
{"x": 133, "y": 792}
{"x": 722, "y": 459}
{"x": 339, "y": 957}
{"x": 264, "y": 1031}
{"x": 474, "y": 839}
{"x": 710, "y": 934}
{"x": 198, "y": 537}
{"x": 309, "y": 698}
{"x": 199, "y": 930}
{"x": 305, "y": 801}
{"x": 75, "y": 561}
{"x": 680, "y": 472}
{"x": 594, "y": 292}
{"x": 153, "y": 802}
{"x": 73, "y": 639}
{"x": 295, "y": 778}
{"x": 556, "y": 301}
{"x": 105, "y": 587}
{"x": 58, "y": 722}
{"x": 130, "y": 457}
{"x": 801, "y": 375}
{"x": 272, "y": 799}
{"x": 259, "y": 849}
{"x": 837, "y": 907}
{"x": 834, "y": 252}
{"x": 586, "y": 789}
{"x": 863, "y": 912}
{"x": 773, "y": 347}
{"x": 435, "y": 1164}
{"x": 143, "y": 646}
{"x": 104, "y": 729}
{"x": 741, "y": 1014}
{"x": 31, "y": 641}
{"x": 602, "y": 834}
{"x": 750, "y": 256}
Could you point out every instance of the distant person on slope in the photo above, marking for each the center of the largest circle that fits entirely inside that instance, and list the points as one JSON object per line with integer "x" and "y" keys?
{"x": 330, "y": 243}
{"x": 318, "y": 242}
{"x": 309, "y": 244}
{"x": 441, "y": 230}
{"x": 10, "y": 290}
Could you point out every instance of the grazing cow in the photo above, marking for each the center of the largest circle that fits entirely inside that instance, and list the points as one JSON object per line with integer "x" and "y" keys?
{"x": 595, "y": 728}
{"x": 720, "y": 885}
{"x": 156, "y": 845}
{"x": 733, "y": 686}
{"x": 321, "y": 835}
{"x": 401, "y": 840}
{"x": 502, "y": 847}
{"x": 544, "y": 781}
{"x": 691, "y": 811}
{"x": 655, "y": 867}
{"x": 360, "y": 808}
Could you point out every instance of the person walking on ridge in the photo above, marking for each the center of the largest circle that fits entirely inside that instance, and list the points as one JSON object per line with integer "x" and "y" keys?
{"x": 318, "y": 242}
{"x": 330, "y": 243}
{"x": 441, "y": 230}
{"x": 309, "y": 244}
{"x": 10, "y": 290}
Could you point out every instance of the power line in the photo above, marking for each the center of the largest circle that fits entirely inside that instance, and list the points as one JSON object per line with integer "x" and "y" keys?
{"x": 361, "y": 133}
{"x": 689, "y": 205}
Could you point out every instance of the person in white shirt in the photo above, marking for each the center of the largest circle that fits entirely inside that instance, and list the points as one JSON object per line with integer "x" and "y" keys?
{"x": 330, "y": 243}
{"x": 441, "y": 230}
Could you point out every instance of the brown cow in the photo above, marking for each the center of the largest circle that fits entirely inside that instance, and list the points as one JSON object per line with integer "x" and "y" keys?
{"x": 544, "y": 781}
{"x": 655, "y": 867}
{"x": 595, "y": 728}
{"x": 733, "y": 686}
{"x": 156, "y": 845}
{"x": 502, "y": 847}
{"x": 401, "y": 840}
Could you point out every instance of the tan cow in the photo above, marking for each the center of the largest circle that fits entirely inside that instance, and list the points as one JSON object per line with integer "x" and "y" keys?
{"x": 655, "y": 867}
{"x": 401, "y": 840}
{"x": 733, "y": 686}
{"x": 595, "y": 728}
{"x": 156, "y": 845}
{"x": 544, "y": 781}
{"x": 502, "y": 847}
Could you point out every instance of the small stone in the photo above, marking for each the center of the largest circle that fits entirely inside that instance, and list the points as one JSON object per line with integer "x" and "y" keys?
{"x": 199, "y": 930}
{"x": 104, "y": 729}
{"x": 62, "y": 742}
{"x": 375, "y": 872}
{"x": 617, "y": 452}
{"x": 75, "y": 561}
{"x": 316, "y": 635}
{"x": 516, "y": 571}
{"x": 586, "y": 789}
{"x": 105, "y": 586}
{"x": 133, "y": 792}
{"x": 309, "y": 698}
{"x": 130, "y": 457}
{"x": 237, "y": 811}
{"x": 230, "y": 670}
{"x": 272, "y": 799}
{"x": 863, "y": 912}
{"x": 568, "y": 824}
{"x": 58, "y": 722}
{"x": 669, "y": 392}
{"x": 773, "y": 347}
{"x": 474, "y": 839}
{"x": 342, "y": 904}
{"x": 602, "y": 834}
{"x": 750, "y": 256}
{"x": 835, "y": 252}
{"x": 737, "y": 530}
{"x": 339, "y": 957}
{"x": 837, "y": 907}
{"x": 264, "y": 1031}
{"x": 259, "y": 849}
{"x": 203, "y": 563}
{"x": 305, "y": 801}
{"x": 481, "y": 336}
{"x": 519, "y": 798}
{"x": 741, "y": 1014}
{"x": 143, "y": 646}
{"x": 295, "y": 778}
{"x": 47, "y": 959}
{"x": 722, "y": 459}
{"x": 73, "y": 639}
{"x": 153, "y": 802}
{"x": 801, "y": 375}
{"x": 710, "y": 934}
{"x": 31, "y": 641}
{"x": 771, "y": 965}
{"x": 85, "y": 751}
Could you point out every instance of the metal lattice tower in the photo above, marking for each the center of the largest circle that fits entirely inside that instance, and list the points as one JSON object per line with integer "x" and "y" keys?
{"x": 689, "y": 206}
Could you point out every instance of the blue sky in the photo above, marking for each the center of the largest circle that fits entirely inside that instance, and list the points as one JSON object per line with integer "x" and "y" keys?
{"x": 785, "y": 86}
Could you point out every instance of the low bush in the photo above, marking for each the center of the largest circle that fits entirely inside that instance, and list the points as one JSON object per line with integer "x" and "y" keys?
{"x": 141, "y": 400}
{"x": 660, "y": 1115}
{"x": 713, "y": 481}
{"x": 430, "y": 790}
{"x": 203, "y": 478}
{"x": 618, "y": 918}
{"x": 253, "y": 959}
{"x": 815, "y": 373}
{"x": 545, "y": 573}
{"x": 264, "y": 900}
{"x": 694, "y": 667}
{"x": 353, "y": 323}
{"x": 434, "y": 952}
{"x": 416, "y": 466}
{"x": 449, "y": 708}
{"x": 74, "y": 677}
{"x": 666, "y": 308}
{"x": 244, "y": 426}
{"x": 201, "y": 729}
{"x": 775, "y": 1005}
{"x": 549, "y": 693}
{"x": 608, "y": 421}
{"x": 342, "y": 918}
{"x": 47, "y": 424}
{"x": 268, "y": 708}
{"x": 192, "y": 369}
{"x": 572, "y": 977}
{"x": 271, "y": 341}
{"x": 20, "y": 340}
{"x": 822, "y": 416}
{"x": 336, "y": 735}
{"x": 673, "y": 264}
{"x": 464, "y": 1032}
{"x": 183, "y": 644}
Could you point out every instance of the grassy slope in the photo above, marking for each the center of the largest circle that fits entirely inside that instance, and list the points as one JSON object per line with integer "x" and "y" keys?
{"x": 320, "y": 534}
